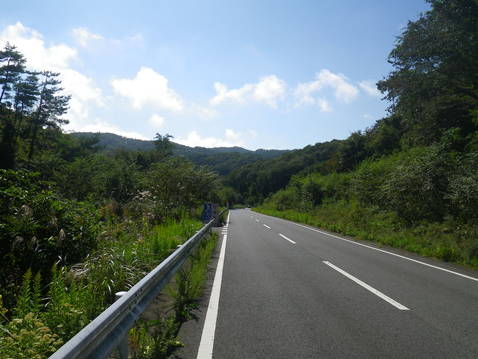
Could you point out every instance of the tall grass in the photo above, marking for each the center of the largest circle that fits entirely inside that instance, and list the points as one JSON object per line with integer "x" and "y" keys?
{"x": 126, "y": 251}
{"x": 449, "y": 241}
{"x": 158, "y": 339}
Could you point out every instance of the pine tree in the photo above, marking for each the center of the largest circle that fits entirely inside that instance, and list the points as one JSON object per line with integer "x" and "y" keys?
{"x": 11, "y": 70}
{"x": 51, "y": 106}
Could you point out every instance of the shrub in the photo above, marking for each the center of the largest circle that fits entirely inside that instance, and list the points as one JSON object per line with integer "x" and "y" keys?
{"x": 28, "y": 338}
{"x": 37, "y": 228}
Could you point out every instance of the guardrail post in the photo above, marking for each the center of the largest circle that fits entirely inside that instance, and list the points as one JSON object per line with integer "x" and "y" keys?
{"x": 122, "y": 352}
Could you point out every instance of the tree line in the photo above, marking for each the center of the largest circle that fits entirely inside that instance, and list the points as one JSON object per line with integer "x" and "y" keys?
{"x": 30, "y": 102}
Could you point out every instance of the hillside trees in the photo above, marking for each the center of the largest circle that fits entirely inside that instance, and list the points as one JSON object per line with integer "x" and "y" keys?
{"x": 176, "y": 185}
{"x": 51, "y": 106}
{"x": 432, "y": 89}
{"x": 163, "y": 145}
{"x": 29, "y": 102}
{"x": 255, "y": 181}
{"x": 410, "y": 180}
{"x": 434, "y": 84}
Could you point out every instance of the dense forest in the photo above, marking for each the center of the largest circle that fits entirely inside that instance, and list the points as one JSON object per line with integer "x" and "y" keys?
{"x": 68, "y": 201}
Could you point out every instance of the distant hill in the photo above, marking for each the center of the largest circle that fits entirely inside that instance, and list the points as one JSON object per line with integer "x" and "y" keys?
{"x": 258, "y": 179}
{"x": 221, "y": 159}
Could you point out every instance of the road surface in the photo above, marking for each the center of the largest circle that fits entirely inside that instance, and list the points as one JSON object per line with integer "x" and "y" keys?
{"x": 283, "y": 290}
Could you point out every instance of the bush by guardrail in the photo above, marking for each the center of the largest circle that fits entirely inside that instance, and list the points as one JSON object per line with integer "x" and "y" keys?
{"x": 110, "y": 329}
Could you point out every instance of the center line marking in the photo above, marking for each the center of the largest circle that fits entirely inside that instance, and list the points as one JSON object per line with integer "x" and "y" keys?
{"x": 290, "y": 240}
{"x": 265, "y": 225}
{"x": 366, "y": 286}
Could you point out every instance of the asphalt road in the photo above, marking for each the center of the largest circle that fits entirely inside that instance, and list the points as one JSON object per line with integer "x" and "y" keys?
{"x": 292, "y": 291}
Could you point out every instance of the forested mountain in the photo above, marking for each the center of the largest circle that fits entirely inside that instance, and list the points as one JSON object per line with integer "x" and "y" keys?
{"x": 257, "y": 180}
{"x": 220, "y": 159}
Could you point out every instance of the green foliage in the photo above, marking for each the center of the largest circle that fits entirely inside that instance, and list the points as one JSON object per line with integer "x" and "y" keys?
{"x": 27, "y": 338}
{"x": 421, "y": 199}
{"x": 30, "y": 296}
{"x": 163, "y": 145}
{"x": 37, "y": 227}
{"x": 154, "y": 340}
{"x": 416, "y": 187}
{"x": 433, "y": 84}
{"x": 67, "y": 310}
{"x": 191, "y": 278}
{"x": 13, "y": 66}
{"x": 221, "y": 160}
{"x": 75, "y": 296}
{"x": 175, "y": 185}
{"x": 256, "y": 181}
{"x": 463, "y": 188}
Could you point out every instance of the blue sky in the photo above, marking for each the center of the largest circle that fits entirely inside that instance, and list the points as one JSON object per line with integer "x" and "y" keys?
{"x": 279, "y": 74}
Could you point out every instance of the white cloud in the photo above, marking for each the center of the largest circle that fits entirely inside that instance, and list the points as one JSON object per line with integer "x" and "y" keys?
{"x": 148, "y": 88}
{"x": 83, "y": 37}
{"x": 203, "y": 112}
{"x": 83, "y": 96}
{"x": 231, "y": 139}
{"x": 269, "y": 89}
{"x": 223, "y": 94}
{"x": 81, "y": 87}
{"x": 324, "y": 105}
{"x": 136, "y": 40}
{"x": 86, "y": 39}
{"x": 303, "y": 92}
{"x": 157, "y": 121}
{"x": 39, "y": 56}
{"x": 370, "y": 87}
{"x": 344, "y": 91}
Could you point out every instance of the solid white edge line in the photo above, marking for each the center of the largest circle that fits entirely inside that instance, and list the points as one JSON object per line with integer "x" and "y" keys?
{"x": 390, "y": 253}
{"x": 206, "y": 345}
{"x": 290, "y": 240}
{"x": 369, "y": 288}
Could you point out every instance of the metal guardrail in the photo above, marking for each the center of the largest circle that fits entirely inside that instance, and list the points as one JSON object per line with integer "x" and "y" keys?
{"x": 108, "y": 331}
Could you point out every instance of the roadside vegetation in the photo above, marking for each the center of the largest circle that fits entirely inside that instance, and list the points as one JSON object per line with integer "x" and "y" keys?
{"x": 77, "y": 225}
{"x": 410, "y": 181}
{"x": 158, "y": 339}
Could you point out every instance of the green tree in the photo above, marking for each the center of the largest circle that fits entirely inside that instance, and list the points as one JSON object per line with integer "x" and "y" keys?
{"x": 176, "y": 185}
{"x": 11, "y": 70}
{"x": 351, "y": 152}
{"x": 163, "y": 145}
{"x": 434, "y": 84}
{"x": 51, "y": 106}
{"x": 10, "y": 74}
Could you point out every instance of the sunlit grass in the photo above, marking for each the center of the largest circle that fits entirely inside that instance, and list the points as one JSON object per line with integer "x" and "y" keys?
{"x": 449, "y": 241}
